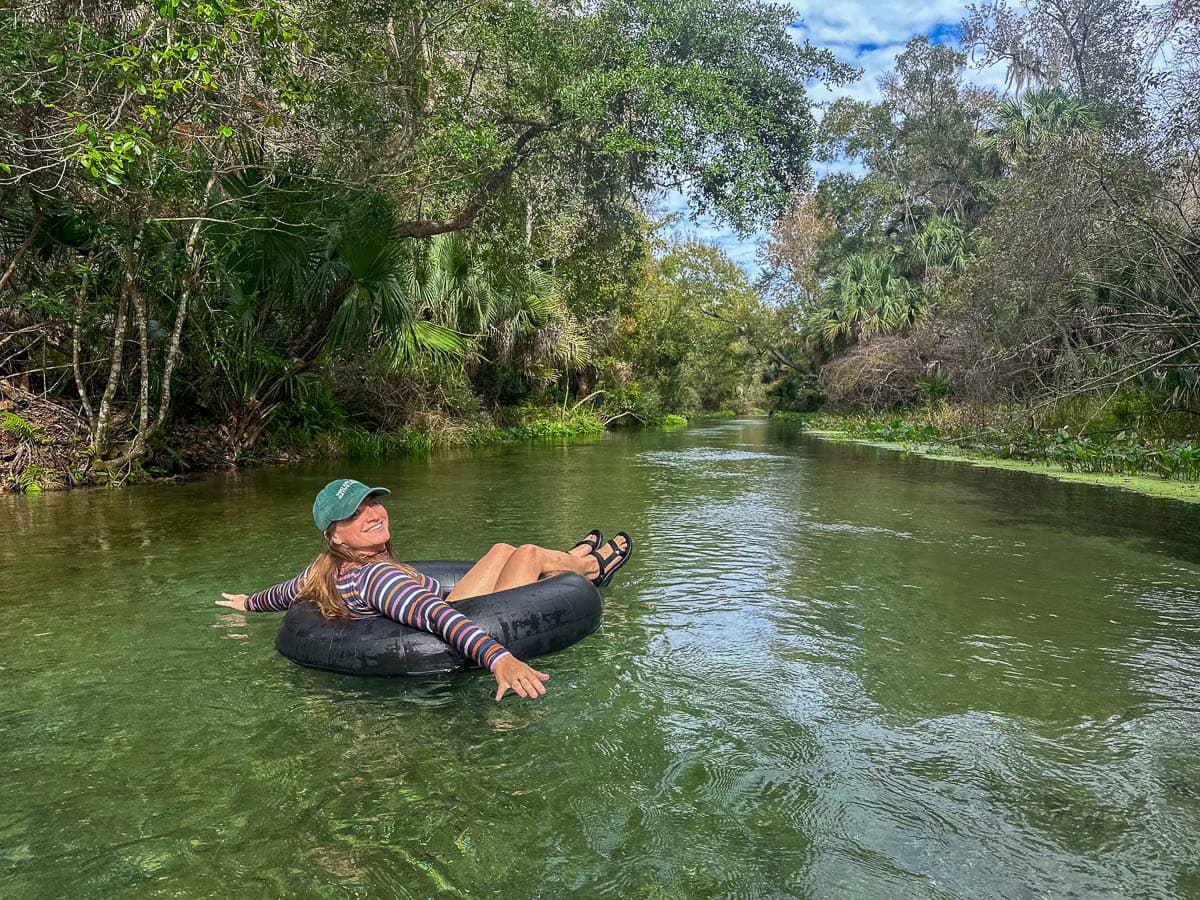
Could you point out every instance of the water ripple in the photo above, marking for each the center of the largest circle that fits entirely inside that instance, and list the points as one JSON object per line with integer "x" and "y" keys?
{"x": 828, "y": 672}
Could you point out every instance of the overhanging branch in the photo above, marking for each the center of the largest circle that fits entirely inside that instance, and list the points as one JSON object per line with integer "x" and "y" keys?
{"x": 759, "y": 346}
{"x": 495, "y": 183}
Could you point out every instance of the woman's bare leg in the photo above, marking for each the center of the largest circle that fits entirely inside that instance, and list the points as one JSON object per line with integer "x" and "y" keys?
{"x": 481, "y": 577}
{"x": 505, "y": 566}
{"x": 530, "y": 562}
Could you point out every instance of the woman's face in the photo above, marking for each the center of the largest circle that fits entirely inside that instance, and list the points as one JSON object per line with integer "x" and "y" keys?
{"x": 366, "y": 530}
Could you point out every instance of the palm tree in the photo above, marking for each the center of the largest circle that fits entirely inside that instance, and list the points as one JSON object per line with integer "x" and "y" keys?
{"x": 941, "y": 246}
{"x": 1040, "y": 119}
{"x": 511, "y": 312}
{"x": 871, "y": 297}
{"x": 299, "y": 275}
{"x": 387, "y": 297}
{"x": 867, "y": 297}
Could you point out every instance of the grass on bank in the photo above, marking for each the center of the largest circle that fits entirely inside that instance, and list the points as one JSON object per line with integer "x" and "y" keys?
{"x": 357, "y": 444}
{"x": 285, "y": 443}
{"x": 1100, "y": 447}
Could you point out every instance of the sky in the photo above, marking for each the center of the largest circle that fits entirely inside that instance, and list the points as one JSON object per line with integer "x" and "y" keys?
{"x": 868, "y": 34}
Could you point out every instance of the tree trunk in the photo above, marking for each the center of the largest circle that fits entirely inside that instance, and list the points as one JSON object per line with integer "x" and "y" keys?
{"x": 25, "y": 245}
{"x": 181, "y": 310}
{"x": 75, "y": 328}
{"x": 100, "y": 426}
{"x": 484, "y": 194}
{"x": 137, "y": 447}
{"x": 147, "y": 428}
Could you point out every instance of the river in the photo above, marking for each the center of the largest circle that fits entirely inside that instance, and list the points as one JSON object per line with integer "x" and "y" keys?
{"x": 829, "y": 671}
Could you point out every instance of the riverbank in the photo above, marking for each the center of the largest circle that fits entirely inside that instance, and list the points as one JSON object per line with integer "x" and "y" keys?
{"x": 1163, "y": 468}
{"x": 43, "y": 446}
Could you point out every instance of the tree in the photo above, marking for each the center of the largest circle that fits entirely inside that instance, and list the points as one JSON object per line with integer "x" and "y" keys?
{"x": 1095, "y": 50}
{"x": 791, "y": 255}
{"x": 867, "y": 297}
{"x": 921, "y": 138}
{"x": 146, "y": 148}
{"x": 691, "y": 334}
{"x": 1039, "y": 121}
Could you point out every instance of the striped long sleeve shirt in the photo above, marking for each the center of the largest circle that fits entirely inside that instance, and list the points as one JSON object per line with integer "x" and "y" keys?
{"x": 383, "y": 588}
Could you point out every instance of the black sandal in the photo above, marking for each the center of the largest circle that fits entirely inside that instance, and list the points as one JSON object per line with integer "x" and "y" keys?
{"x": 611, "y": 562}
{"x": 592, "y": 540}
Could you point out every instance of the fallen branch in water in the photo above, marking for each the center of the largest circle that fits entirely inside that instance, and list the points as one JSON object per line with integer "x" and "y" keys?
{"x": 628, "y": 412}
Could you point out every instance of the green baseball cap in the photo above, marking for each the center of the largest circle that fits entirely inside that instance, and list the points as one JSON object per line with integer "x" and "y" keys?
{"x": 339, "y": 499}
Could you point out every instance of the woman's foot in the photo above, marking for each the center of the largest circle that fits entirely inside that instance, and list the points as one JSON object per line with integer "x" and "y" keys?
{"x": 610, "y": 556}
{"x": 588, "y": 545}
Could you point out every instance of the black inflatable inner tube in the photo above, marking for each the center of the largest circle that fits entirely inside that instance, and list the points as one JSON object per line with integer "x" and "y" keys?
{"x": 533, "y": 620}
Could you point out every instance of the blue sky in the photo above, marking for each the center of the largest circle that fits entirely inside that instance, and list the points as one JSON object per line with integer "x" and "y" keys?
{"x": 868, "y": 34}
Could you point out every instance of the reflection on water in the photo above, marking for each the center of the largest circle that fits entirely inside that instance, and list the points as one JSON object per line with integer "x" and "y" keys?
{"x": 829, "y": 671}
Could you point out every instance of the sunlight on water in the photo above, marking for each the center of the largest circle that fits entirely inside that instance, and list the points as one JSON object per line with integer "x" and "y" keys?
{"x": 829, "y": 671}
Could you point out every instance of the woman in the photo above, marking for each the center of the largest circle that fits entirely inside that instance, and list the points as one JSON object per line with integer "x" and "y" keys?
{"x": 356, "y": 575}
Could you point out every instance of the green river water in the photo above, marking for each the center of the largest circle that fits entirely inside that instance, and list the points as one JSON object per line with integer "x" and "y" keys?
{"x": 829, "y": 671}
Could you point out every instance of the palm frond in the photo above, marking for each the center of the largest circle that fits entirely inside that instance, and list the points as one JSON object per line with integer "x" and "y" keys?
{"x": 422, "y": 338}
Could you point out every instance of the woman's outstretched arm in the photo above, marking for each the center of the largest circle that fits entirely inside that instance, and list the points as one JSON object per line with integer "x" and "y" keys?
{"x": 276, "y": 598}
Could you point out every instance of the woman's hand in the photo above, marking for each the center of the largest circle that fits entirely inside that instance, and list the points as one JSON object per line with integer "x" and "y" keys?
{"x": 525, "y": 681}
{"x": 234, "y": 601}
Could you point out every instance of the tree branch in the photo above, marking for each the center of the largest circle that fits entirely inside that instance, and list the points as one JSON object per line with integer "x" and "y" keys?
{"x": 487, "y": 192}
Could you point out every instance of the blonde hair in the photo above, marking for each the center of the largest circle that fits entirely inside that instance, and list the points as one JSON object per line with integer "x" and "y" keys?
{"x": 320, "y": 587}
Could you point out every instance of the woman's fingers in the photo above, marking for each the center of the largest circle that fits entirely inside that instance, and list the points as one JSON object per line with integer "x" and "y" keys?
{"x": 522, "y": 680}
{"x": 529, "y": 684}
{"x": 519, "y": 687}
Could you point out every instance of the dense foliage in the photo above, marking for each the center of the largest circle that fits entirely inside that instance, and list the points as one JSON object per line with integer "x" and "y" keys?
{"x": 235, "y": 230}
{"x": 304, "y": 215}
{"x": 1018, "y": 253}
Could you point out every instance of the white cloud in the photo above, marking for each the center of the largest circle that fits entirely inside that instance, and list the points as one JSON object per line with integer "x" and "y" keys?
{"x": 868, "y": 34}
{"x": 845, "y": 24}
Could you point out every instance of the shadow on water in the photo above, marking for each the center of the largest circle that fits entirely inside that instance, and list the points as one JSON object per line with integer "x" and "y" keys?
{"x": 829, "y": 671}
